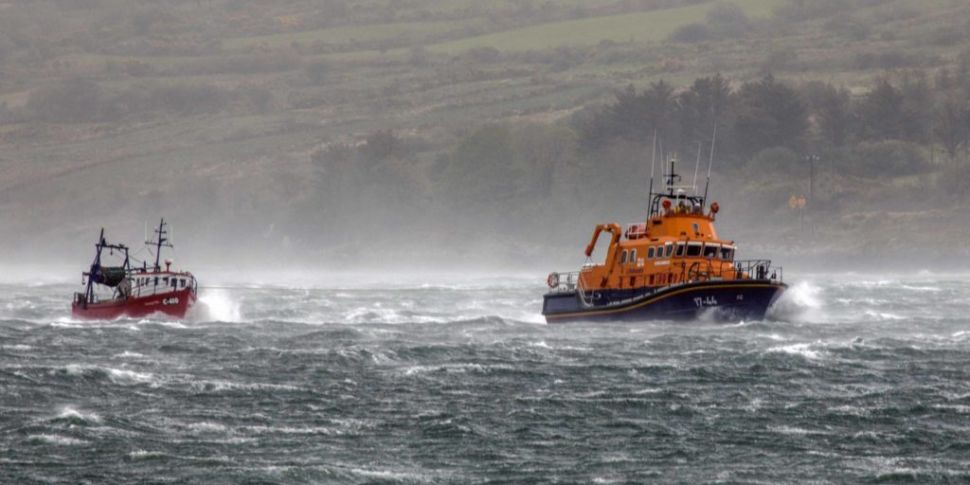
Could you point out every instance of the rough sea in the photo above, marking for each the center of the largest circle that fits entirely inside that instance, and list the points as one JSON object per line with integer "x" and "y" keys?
{"x": 852, "y": 379}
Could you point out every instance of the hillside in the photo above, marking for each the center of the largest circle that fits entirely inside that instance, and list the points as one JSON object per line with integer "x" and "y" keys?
{"x": 211, "y": 112}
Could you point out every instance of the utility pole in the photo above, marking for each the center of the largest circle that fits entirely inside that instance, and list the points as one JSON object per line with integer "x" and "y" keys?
{"x": 811, "y": 176}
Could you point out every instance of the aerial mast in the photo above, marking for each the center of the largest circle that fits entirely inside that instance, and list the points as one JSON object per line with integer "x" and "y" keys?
{"x": 653, "y": 160}
{"x": 161, "y": 241}
{"x": 710, "y": 163}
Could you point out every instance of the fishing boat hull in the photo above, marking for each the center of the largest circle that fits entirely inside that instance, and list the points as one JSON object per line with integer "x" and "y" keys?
{"x": 732, "y": 301}
{"x": 174, "y": 304}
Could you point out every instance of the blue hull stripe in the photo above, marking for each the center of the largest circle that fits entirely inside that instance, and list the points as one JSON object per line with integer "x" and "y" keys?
{"x": 728, "y": 299}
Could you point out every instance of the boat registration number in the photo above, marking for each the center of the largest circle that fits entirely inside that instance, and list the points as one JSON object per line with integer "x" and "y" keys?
{"x": 170, "y": 301}
{"x": 706, "y": 301}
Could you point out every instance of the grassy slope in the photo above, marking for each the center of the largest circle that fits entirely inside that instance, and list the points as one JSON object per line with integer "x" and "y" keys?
{"x": 224, "y": 156}
{"x": 636, "y": 27}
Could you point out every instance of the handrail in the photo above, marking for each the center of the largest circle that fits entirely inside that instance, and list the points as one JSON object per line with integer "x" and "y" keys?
{"x": 699, "y": 271}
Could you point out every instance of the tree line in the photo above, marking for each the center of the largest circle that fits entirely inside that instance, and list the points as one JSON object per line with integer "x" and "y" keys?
{"x": 768, "y": 113}
{"x": 507, "y": 176}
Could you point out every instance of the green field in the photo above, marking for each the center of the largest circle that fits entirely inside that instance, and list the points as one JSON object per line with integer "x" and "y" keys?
{"x": 404, "y": 31}
{"x": 636, "y": 27}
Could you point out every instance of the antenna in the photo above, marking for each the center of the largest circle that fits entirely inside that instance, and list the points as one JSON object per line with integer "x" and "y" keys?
{"x": 162, "y": 241}
{"x": 693, "y": 181}
{"x": 711, "y": 162}
{"x": 653, "y": 161}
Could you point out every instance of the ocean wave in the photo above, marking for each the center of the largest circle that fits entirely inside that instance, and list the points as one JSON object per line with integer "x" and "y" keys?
{"x": 144, "y": 455}
{"x": 803, "y": 350}
{"x": 458, "y": 368}
{"x": 73, "y": 415}
{"x": 53, "y": 439}
{"x": 225, "y": 385}
{"x": 125, "y": 376}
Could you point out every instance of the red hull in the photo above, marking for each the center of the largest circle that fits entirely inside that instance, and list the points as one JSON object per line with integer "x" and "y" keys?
{"x": 173, "y": 303}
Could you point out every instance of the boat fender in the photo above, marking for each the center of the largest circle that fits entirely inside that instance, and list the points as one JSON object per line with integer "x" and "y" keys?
{"x": 553, "y": 280}
{"x": 715, "y": 207}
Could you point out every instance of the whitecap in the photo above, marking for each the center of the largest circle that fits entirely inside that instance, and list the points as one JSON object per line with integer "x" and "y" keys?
{"x": 54, "y": 439}
{"x": 795, "y": 430}
{"x": 884, "y": 315}
{"x": 71, "y": 413}
{"x": 220, "y": 385}
{"x": 129, "y": 355}
{"x": 307, "y": 430}
{"x": 921, "y": 288}
{"x": 207, "y": 427}
{"x": 144, "y": 455}
{"x": 959, "y": 408}
{"x": 454, "y": 368}
{"x": 124, "y": 376}
{"x": 389, "y": 475}
{"x": 802, "y": 349}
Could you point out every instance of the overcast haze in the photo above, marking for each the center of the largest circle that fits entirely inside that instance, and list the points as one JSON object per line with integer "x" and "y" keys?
{"x": 446, "y": 135}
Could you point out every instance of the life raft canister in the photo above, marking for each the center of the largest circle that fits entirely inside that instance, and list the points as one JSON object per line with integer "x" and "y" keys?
{"x": 553, "y": 280}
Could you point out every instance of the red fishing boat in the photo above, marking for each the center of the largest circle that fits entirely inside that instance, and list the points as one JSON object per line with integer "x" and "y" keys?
{"x": 125, "y": 291}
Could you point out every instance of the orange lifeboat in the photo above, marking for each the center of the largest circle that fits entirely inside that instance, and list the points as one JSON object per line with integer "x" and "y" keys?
{"x": 672, "y": 266}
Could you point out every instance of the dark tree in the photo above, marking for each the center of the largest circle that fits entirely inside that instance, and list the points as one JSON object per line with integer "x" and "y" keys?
{"x": 769, "y": 113}
{"x": 706, "y": 103}
{"x": 881, "y": 113}
{"x": 916, "y": 107}
{"x": 691, "y": 33}
{"x": 635, "y": 117}
{"x": 949, "y": 125}
{"x": 830, "y": 109}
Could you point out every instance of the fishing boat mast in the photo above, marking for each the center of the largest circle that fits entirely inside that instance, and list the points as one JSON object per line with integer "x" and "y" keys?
{"x": 96, "y": 273}
{"x": 160, "y": 242}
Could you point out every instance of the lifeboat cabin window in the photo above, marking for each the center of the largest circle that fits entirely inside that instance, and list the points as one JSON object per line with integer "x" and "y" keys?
{"x": 669, "y": 250}
{"x": 650, "y": 253}
{"x": 633, "y": 256}
{"x": 727, "y": 253}
{"x": 680, "y": 250}
{"x": 710, "y": 251}
{"x": 623, "y": 258}
{"x": 693, "y": 249}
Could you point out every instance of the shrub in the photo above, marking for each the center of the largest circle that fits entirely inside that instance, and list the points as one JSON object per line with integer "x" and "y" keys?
{"x": 75, "y": 100}
{"x": 887, "y": 159}
{"x": 775, "y": 160}
{"x": 691, "y": 33}
{"x": 318, "y": 72}
{"x": 728, "y": 19}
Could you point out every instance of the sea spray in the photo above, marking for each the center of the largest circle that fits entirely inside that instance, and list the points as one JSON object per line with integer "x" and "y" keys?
{"x": 216, "y": 305}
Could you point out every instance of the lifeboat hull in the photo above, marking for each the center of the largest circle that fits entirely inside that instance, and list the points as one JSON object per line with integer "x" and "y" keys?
{"x": 173, "y": 304}
{"x": 729, "y": 301}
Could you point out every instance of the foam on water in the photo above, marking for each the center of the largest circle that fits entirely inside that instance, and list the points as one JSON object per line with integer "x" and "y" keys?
{"x": 70, "y": 413}
{"x": 216, "y": 305}
{"x": 313, "y": 384}
{"x": 53, "y": 439}
{"x": 801, "y": 302}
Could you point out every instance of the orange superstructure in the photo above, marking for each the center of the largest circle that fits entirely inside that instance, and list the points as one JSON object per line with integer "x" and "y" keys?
{"x": 677, "y": 244}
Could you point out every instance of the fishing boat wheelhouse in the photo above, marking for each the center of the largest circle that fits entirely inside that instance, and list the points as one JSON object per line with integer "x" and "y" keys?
{"x": 672, "y": 266}
{"x": 126, "y": 291}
